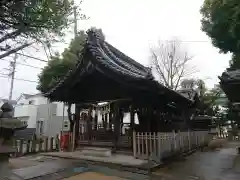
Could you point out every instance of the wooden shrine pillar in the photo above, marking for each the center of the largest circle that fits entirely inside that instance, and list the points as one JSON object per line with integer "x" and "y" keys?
{"x": 89, "y": 123}
{"x": 110, "y": 118}
{"x": 185, "y": 120}
{"x": 116, "y": 126}
{"x": 103, "y": 121}
{"x": 77, "y": 124}
{"x": 148, "y": 119}
{"x": 121, "y": 121}
{"x": 96, "y": 119}
{"x": 106, "y": 120}
{"x": 132, "y": 122}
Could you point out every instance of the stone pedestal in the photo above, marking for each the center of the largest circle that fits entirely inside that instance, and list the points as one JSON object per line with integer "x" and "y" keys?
{"x": 5, "y": 171}
{"x": 4, "y": 166}
{"x": 8, "y": 125}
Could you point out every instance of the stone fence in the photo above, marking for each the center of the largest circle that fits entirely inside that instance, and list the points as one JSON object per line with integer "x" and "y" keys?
{"x": 24, "y": 147}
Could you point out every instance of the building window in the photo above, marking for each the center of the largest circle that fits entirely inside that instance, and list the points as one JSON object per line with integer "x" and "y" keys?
{"x": 24, "y": 122}
{"x": 40, "y": 127}
{"x": 31, "y": 102}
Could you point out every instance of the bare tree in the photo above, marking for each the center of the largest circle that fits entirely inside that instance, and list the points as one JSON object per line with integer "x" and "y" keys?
{"x": 170, "y": 61}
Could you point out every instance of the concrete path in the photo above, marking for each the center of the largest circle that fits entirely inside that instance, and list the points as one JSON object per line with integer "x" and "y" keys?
{"x": 37, "y": 166}
{"x": 223, "y": 164}
{"x": 124, "y": 160}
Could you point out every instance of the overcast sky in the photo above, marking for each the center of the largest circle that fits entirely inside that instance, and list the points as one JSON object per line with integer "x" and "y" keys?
{"x": 132, "y": 26}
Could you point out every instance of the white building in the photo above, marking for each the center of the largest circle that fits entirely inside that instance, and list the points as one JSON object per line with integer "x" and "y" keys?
{"x": 37, "y": 112}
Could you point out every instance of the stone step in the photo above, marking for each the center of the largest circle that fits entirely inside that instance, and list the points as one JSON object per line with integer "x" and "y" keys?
{"x": 92, "y": 151}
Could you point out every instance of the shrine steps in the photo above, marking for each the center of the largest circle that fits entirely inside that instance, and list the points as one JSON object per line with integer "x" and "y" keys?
{"x": 127, "y": 152}
{"x": 96, "y": 151}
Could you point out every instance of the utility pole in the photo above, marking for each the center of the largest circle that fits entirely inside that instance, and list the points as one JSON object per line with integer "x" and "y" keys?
{"x": 12, "y": 74}
{"x": 77, "y": 110}
{"x": 75, "y": 21}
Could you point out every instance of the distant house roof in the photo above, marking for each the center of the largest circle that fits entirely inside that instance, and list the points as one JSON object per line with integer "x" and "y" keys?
{"x": 12, "y": 102}
{"x": 26, "y": 134}
{"x": 26, "y": 96}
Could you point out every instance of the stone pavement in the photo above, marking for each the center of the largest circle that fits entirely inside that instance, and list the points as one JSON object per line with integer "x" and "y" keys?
{"x": 27, "y": 161}
{"x": 48, "y": 168}
{"x": 222, "y": 164}
{"x": 124, "y": 160}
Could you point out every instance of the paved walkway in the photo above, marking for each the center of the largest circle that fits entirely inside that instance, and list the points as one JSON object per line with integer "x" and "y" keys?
{"x": 223, "y": 164}
{"x": 116, "y": 159}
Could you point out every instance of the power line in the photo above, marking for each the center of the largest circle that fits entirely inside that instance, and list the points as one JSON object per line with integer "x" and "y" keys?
{"x": 23, "y": 64}
{"x": 183, "y": 41}
{"x": 29, "y": 65}
{"x": 32, "y": 57}
{"x": 19, "y": 79}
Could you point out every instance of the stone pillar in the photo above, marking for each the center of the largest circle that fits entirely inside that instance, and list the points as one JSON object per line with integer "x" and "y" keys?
{"x": 8, "y": 125}
{"x": 4, "y": 166}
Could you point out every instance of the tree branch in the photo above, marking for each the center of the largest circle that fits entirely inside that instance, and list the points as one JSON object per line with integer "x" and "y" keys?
{"x": 15, "y": 50}
{"x": 170, "y": 62}
{"x": 155, "y": 61}
{"x": 11, "y": 35}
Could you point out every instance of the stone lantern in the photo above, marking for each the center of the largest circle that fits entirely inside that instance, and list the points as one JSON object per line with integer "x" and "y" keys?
{"x": 8, "y": 125}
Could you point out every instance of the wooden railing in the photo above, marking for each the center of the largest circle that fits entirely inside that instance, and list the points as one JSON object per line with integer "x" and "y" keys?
{"x": 161, "y": 145}
{"x": 24, "y": 147}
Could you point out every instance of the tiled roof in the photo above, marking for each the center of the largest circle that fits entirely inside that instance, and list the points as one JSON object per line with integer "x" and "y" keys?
{"x": 116, "y": 66}
{"x": 27, "y": 95}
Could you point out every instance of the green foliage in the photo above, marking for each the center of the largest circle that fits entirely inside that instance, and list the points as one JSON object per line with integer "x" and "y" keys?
{"x": 234, "y": 63}
{"x": 36, "y": 18}
{"x": 58, "y": 66}
{"x": 221, "y": 22}
{"x": 208, "y": 98}
{"x": 25, "y": 22}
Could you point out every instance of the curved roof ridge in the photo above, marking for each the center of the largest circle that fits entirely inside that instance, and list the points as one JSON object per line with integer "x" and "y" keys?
{"x": 96, "y": 39}
{"x": 107, "y": 59}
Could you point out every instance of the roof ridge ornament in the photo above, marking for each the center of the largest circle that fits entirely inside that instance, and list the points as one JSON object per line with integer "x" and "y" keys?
{"x": 95, "y": 35}
{"x": 149, "y": 73}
